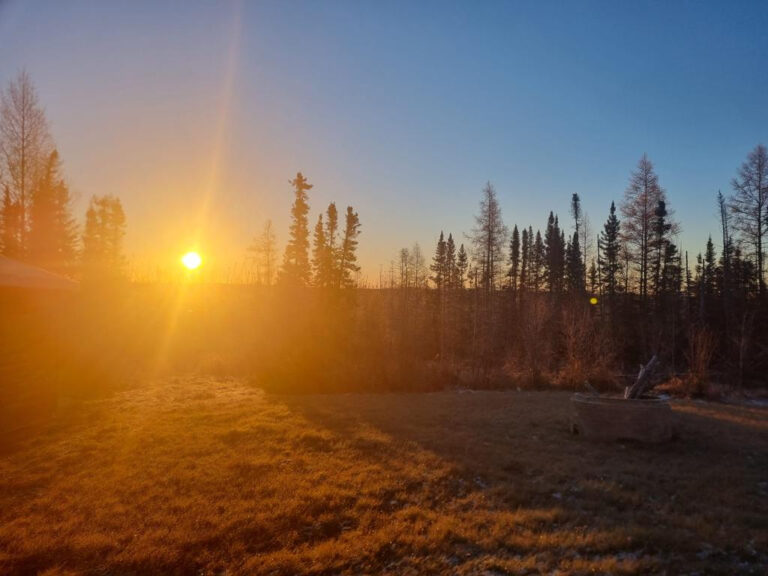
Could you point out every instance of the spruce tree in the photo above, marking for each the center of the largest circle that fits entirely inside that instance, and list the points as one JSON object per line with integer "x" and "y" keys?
{"x": 671, "y": 277}
{"x": 551, "y": 242}
{"x": 574, "y": 271}
{"x": 709, "y": 269}
{"x": 332, "y": 244}
{"x": 52, "y": 229}
{"x": 320, "y": 254}
{"x": 554, "y": 252}
{"x": 462, "y": 265}
{"x": 439, "y": 266}
{"x": 103, "y": 237}
{"x": 451, "y": 264}
{"x": 575, "y": 267}
{"x": 538, "y": 268}
{"x": 592, "y": 276}
{"x": 348, "y": 250}
{"x": 514, "y": 258}
{"x": 610, "y": 249}
{"x": 525, "y": 251}
{"x": 296, "y": 267}
{"x": 658, "y": 243}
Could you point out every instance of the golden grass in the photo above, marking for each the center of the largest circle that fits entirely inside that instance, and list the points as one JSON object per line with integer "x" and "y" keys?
{"x": 212, "y": 476}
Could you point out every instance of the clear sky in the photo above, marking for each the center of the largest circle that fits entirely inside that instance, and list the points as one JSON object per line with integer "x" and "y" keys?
{"x": 198, "y": 113}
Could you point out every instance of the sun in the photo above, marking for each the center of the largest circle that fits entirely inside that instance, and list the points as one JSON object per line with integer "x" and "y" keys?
{"x": 191, "y": 260}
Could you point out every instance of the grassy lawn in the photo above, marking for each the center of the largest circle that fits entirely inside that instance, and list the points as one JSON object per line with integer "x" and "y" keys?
{"x": 213, "y": 476}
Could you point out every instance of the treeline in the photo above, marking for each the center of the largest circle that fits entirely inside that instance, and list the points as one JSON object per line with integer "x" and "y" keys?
{"x": 562, "y": 304}
{"x": 36, "y": 221}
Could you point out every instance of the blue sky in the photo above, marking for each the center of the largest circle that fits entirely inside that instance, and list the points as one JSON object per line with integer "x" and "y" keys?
{"x": 198, "y": 114}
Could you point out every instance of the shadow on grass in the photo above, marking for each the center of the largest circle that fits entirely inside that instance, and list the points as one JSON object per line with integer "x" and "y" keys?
{"x": 665, "y": 505}
{"x": 204, "y": 475}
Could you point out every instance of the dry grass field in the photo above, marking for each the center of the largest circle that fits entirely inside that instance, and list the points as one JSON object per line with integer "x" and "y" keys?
{"x": 213, "y": 476}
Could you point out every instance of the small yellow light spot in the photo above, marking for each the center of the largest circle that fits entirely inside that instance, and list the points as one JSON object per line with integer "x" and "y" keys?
{"x": 191, "y": 260}
{"x": 593, "y": 300}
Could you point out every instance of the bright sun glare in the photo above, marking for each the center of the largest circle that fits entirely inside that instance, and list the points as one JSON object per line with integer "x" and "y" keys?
{"x": 191, "y": 260}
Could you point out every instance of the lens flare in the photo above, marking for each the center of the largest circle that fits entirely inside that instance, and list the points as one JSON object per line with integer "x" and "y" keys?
{"x": 593, "y": 300}
{"x": 191, "y": 260}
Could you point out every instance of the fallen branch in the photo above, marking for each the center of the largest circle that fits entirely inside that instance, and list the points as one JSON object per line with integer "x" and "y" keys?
{"x": 643, "y": 382}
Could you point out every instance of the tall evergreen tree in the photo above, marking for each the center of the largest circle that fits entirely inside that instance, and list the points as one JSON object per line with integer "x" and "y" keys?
{"x": 709, "y": 270}
{"x": 538, "y": 262}
{"x": 672, "y": 275}
{"x": 593, "y": 277}
{"x": 332, "y": 244}
{"x": 525, "y": 252}
{"x": 439, "y": 266}
{"x": 610, "y": 252}
{"x": 52, "y": 229}
{"x": 554, "y": 249}
{"x": 103, "y": 237}
{"x": 320, "y": 254}
{"x": 348, "y": 250}
{"x": 296, "y": 267}
{"x": 462, "y": 265}
{"x": 514, "y": 258}
{"x": 659, "y": 240}
{"x": 576, "y": 212}
{"x": 451, "y": 264}
{"x": 325, "y": 251}
{"x": 574, "y": 269}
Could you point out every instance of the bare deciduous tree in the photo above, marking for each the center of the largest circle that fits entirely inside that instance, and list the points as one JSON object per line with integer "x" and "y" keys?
{"x": 488, "y": 239}
{"x": 25, "y": 144}
{"x": 641, "y": 198}
{"x": 264, "y": 248}
{"x": 749, "y": 205}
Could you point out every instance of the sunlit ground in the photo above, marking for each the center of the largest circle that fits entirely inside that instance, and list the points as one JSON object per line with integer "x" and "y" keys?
{"x": 213, "y": 476}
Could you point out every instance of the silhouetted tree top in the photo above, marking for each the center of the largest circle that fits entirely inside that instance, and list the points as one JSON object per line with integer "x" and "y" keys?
{"x": 296, "y": 266}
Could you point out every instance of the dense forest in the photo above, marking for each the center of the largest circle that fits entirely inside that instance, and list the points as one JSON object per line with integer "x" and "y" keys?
{"x": 563, "y": 305}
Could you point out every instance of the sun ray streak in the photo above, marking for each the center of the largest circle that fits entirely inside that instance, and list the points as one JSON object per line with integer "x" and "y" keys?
{"x": 224, "y": 120}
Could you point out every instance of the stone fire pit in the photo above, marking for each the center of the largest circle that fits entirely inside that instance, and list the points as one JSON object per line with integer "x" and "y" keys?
{"x": 611, "y": 418}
